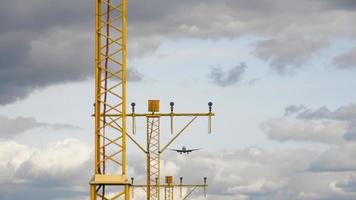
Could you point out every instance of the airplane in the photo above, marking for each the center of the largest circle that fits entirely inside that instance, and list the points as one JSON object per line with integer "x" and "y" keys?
{"x": 184, "y": 150}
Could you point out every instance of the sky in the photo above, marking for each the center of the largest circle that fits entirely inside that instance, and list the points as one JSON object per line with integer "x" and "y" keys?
{"x": 281, "y": 75}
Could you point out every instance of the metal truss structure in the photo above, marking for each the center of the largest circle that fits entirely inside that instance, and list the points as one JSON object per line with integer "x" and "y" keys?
{"x": 153, "y": 149}
{"x": 153, "y": 156}
{"x": 110, "y": 176}
{"x": 109, "y": 181}
{"x": 169, "y": 188}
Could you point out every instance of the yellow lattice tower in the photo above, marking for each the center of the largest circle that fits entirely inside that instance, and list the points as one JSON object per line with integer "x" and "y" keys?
{"x": 109, "y": 180}
{"x": 169, "y": 188}
{"x": 153, "y": 155}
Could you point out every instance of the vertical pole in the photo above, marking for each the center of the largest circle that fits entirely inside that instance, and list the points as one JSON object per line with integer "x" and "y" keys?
{"x": 158, "y": 156}
{"x": 205, "y": 180}
{"x": 92, "y": 192}
{"x": 97, "y": 85}
{"x": 180, "y": 186}
{"x": 172, "y": 115}
{"x": 124, "y": 66}
{"x": 132, "y": 188}
{"x": 210, "y": 104}
{"x": 148, "y": 190}
{"x": 156, "y": 187}
{"x": 165, "y": 193}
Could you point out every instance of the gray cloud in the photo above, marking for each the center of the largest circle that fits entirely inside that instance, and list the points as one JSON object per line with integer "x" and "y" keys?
{"x": 343, "y": 5}
{"x": 230, "y": 77}
{"x": 39, "y": 15}
{"x": 345, "y": 114}
{"x": 346, "y": 60}
{"x": 50, "y": 42}
{"x": 350, "y": 135}
{"x": 348, "y": 185}
{"x": 42, "y": 46}
{"x": 11, "y": 127}
{"x": 293, "y": 109}
{"x": 288, "y": 53}
{"x": 254, "y": 81}
{"x": 57, "y": 56}
{"x": 295, "y": 31}
{"x": 339, "y": 158}
{"x": 320, "y": 113}
{"x": 134, "y": 75}
{"x": 60, "y": 55}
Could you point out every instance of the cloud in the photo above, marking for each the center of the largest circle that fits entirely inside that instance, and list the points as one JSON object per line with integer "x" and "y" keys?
{"x": 58, "y": 55}
{"x": 134, "y": 75}
{"x": 254, "y": 81}
{"x": 334, "y": 127}
{"x": 11, "y": 127}
{"x": 55, "y": 161}
{"x": 321, "y": 124}
{"x": 256, "y": 174}
{"x": 350, "y": 135}
{"x": 230, "y": 77}
{"x": 12, "y": 155}
{"x": 337, "y": 158}
{"x": 345, "y": 113}
{"x": 320, "y": 113}
{"x": 42, "y": 46}
{"x": 49, "y": 173}
{"x": 294, "y": 31}
{"x": 346, "y": 60}
{"x": 325, "y": 131}
{"x": 348, "y": 185}
{"x": 288, "y": 53}
{"x": 293, "y": 109}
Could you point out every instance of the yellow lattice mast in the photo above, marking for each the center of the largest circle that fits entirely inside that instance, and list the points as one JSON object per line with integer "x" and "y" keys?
{"x": 109, "y": 180}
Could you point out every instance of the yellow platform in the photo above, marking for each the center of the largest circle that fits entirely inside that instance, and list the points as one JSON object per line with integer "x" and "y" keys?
{"x": 109, "y": 180}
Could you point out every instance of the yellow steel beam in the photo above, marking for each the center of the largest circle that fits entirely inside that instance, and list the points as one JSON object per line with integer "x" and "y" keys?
{"x": 178, "y": 134}
{"x": 189, "y": 193}
{"x": 170, "y": 114}
{"x": 173, "y": 185}
{"x": 164, "y": 114}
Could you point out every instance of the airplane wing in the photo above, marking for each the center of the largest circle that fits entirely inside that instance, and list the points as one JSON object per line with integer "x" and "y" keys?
{"x": 177, "y": 150}
{"x": 190, "y": 150}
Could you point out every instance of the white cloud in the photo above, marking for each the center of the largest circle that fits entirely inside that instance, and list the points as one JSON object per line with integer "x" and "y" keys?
{"x": 253, "y": 173}
{"x": 62, "y": 165}
{"x": 337, "y": 158}
{"x": 325, "y": 131}
{"x": 169, "y": 168}
{"x": 12, "y": 155}
{"x": 58, "y": 159}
